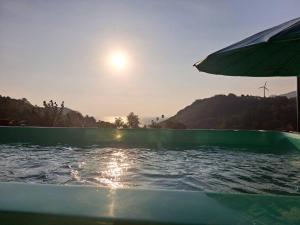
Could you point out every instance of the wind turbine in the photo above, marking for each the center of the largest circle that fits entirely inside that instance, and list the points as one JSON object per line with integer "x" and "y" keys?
{"x": 265, "y": 88}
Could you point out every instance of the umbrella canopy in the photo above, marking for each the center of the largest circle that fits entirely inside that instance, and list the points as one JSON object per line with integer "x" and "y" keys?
{"x": 272, "y": 52}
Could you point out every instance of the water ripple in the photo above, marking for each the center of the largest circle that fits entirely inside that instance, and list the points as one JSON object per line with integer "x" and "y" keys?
{"x": 210, "y": 169}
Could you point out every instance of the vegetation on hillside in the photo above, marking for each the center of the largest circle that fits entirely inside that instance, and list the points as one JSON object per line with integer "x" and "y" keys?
{"x": 218, "y": 112}
{"x": 238, "y": 112}
{"x": 133, "y": 121}
{"x": 22, "y": 112}
{"x": 156, "y": 123}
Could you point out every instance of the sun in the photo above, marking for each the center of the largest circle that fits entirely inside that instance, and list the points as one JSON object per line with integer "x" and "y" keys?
{"x": 119, "y": 60}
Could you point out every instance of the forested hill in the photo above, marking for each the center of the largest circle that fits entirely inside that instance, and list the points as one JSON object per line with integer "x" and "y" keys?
{"x": 239, "y": 112}
{"x": 14, "y": 112}
{"x": 218, "y": 112}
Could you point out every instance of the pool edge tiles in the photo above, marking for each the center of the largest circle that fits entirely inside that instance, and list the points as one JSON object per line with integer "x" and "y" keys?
{"x": 152, "y": 138}
{"x": 54, "y": 204}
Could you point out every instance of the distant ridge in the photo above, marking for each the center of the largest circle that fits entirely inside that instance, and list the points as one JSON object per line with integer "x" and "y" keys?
{"x": 20, "y": 112}
{"x": 238, "y": 112}
{"x": 292, "y": 94}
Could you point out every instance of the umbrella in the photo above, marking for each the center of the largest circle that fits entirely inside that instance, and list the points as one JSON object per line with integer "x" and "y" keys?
{"x": 272, "y": 52}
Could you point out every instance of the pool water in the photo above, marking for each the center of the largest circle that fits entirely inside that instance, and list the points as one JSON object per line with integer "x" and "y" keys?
{"x": 211, "y": 169}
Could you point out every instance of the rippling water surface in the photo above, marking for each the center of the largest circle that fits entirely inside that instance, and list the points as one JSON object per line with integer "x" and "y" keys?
{"x": 206, "y": 169}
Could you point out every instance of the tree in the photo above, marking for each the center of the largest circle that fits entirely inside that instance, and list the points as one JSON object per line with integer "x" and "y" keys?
{"x": 74, "y": 119}
{"x": 52, "y": 113}
{"x": 103, "y": 124}
{"x": 133, "y": 120}
{"x": 154, "y": 124}
{"x": 89, "y": 121}
{"x": 119, "y": 123}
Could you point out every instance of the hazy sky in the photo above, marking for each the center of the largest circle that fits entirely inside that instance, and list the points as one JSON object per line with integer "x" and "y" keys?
{"x": 60, "y": 50}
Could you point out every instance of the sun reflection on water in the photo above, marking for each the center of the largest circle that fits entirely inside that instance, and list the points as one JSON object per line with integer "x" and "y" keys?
{"x": 114, "y": 171}
{"x": 118, "y": 136}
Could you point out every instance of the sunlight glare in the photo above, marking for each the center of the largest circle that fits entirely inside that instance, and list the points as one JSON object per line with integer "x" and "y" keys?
{"x": 115, "y": 170}
{"x": 119, "y": 61}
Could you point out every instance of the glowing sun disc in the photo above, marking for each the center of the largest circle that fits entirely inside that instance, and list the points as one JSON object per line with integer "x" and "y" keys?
{"x": 118, "y": 61}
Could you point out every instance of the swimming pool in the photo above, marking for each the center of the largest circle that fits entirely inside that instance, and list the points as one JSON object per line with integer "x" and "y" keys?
{"x": 162, "y": 176}
{"x": 207, "y": 168}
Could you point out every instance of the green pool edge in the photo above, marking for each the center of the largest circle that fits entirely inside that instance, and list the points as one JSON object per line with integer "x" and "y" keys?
{"x": 273, "y": 141}
{"x": 55, "y": 204}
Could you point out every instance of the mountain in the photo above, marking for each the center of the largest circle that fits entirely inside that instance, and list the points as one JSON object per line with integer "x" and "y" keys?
{"x": 238, "y": 112}
{"x": 21, "y": 112}
{"x": 292, "y": 94}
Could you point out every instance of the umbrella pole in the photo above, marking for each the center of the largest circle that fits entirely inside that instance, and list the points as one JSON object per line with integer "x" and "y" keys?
{"x": 298, "y": 104}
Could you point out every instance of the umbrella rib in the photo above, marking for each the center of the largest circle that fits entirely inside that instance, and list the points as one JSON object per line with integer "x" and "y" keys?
{"x": 286, "y": 62}
{"x": 241, "y": 59}
{"x": 261, "y": 62}
{"x": 249, "y": 54}
{"x": 276, "y": 50}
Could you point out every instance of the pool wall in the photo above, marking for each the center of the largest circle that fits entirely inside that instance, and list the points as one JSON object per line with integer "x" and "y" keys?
{"x": 152, "y": 138}
{"x": 51, "y": 204}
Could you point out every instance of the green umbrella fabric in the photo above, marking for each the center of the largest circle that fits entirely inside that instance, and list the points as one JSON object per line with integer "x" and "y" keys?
{"x": 272, "y": 52}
